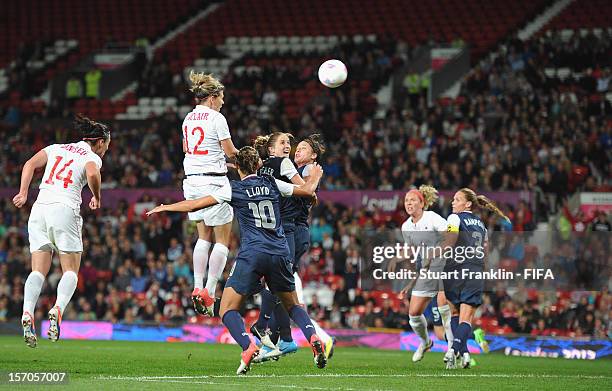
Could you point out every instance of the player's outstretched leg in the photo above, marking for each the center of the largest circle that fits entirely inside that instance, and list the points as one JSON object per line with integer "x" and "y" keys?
{"x": 445, "y": 315}
{"x": 260, "y": 328}
{"x": 300, "y": 317}
{"x": 32, "y": 288}
{"x": 460, "y": 344}
{"x": 200, "y": 263}
{"x": 29, "y": 332}
{"x": 235, "y": 324}
{"x": 65, "y": 290}
{"x": 479, "y": 337}
{"x": 419, "y": 326}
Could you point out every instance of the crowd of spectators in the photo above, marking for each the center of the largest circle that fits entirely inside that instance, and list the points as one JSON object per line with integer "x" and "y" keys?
{"x": 139, "y": 269}
{"x": 512, "y": 128}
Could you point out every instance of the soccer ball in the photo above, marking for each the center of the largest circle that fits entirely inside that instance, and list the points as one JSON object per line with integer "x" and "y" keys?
{"x": 333, "y": 73}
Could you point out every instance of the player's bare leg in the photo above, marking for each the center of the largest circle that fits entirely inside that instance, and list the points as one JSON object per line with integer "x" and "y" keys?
{"x": 231, "y": 301}
{"x": 200, "y": 263}
{"x": 419, "y": 325}
{"x": 65, "y": 289}
{"x": 41, "y": 262}
{"x": 300, "y": 317}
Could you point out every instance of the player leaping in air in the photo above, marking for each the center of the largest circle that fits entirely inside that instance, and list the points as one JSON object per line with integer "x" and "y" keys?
{"x": 206, "y": 141}
{"x": 263, "y": 249}
{"x": 55, "y": 222}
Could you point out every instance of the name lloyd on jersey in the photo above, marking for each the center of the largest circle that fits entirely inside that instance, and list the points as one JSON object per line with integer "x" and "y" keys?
{"x": 74, "y": 149}
{"x": 257, "y": 191}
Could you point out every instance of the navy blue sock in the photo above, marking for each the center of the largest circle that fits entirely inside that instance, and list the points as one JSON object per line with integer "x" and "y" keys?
{"x": 268, "y": 301}
{"x": 461, "y": 337}
{"x": 284, "y": 323}
{"x": 273, "y": 325}
{"x": 235, "y": 324}
{"x": 300, "y": 317}
{"x": 454, "y": 323}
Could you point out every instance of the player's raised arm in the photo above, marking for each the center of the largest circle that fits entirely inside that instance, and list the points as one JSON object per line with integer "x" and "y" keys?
{"x": 185, "y": 206}
{"x": 37, "y": 161}
{"x": 94, "y": 181}
{"x": 228, "y": 147}
{"x": 308, "y": 189}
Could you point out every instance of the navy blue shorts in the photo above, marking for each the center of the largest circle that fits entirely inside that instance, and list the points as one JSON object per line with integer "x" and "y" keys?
{"x": 302, "y": 244}
{"x": 250, "y": 266}
{"x": 465, "y": 290}
{"x": 432, "y": 312}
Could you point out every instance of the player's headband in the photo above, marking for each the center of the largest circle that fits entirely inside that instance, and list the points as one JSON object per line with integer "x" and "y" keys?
{"x": 419, "y": 194}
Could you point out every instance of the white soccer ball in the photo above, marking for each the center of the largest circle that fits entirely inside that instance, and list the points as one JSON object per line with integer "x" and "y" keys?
{"x": 333, "y": 73}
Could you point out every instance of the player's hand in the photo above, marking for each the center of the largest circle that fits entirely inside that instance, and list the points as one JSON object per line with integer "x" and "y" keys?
{"x": 404, "y": 292}
{"x": 157, "y": 209}
{"x": 94, "y": 203}
{"x": 316, "y": 171}
{"x": 20, "y": 199}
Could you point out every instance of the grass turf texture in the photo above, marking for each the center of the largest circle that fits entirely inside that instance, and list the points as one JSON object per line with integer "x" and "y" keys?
{"x": 121, "y": 365}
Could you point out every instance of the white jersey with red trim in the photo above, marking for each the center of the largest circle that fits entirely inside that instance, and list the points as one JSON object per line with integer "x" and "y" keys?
{"x": 65, "y": 174}
{"x": 203, "y": 131}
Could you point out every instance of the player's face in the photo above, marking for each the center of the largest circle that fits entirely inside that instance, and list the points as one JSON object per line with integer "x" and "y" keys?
{"x": 281, "y": 147}
{"x": 460, "y": 203}
{"x": 413, "y": 204}
{"x": 103, "y": 147}
{"x": 216, "y": 102}
{"x": 304, "y": 154}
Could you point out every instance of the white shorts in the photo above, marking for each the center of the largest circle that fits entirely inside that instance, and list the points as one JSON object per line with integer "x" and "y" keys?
{"x": 55, "y": 227}
{"x": 200, "y": 186}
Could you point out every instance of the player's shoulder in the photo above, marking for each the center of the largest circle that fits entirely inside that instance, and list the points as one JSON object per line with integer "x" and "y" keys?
{"x": 407, "y": 225}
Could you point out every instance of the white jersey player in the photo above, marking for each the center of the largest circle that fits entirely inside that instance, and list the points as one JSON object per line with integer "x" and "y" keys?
{"x": 206, "y": 141}
{"x": 425, "y": 228}
{"x": 55, "y": 222}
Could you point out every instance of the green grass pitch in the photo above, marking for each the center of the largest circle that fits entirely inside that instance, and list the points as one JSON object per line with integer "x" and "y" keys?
{"x": 158, "y": 366}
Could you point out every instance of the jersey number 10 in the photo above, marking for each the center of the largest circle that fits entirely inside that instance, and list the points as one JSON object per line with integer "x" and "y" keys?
{"x": 263, "y": 212}
{"x": 67, "y": 179}
{"x": 195, "y": 151}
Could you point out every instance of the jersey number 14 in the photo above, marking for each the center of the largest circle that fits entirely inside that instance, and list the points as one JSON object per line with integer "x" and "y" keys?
{"x": 67, "y": 179}
{"x": 263, "y": 212}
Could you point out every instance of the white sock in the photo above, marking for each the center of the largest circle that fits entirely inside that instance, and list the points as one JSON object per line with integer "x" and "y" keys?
{"x": 65, "y": 289}
{"x": 200, "y": 262}
{"x": 298, "y": 288}
{"x": 31, "y": 291}
{"x": 216, "y": 265}
{"x": 419, "y": 325}
{"x": 320, "y": 332}
{"x": 445, "y": 314}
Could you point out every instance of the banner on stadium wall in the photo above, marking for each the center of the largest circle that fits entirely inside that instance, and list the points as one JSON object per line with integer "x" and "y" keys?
{"x": 593, "y": 202}
{"x": 440, "y": 56}
{"x": 524, "y": 346}
{"x": 387, "y": 201}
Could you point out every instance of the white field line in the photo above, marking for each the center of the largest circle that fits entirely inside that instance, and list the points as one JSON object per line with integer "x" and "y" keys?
{"x": 353, "y": 375}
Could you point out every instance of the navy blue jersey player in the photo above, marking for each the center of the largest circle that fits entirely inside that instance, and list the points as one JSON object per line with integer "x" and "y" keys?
{"x": 263, "y": 251}
{"x": 468, "y": 235}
